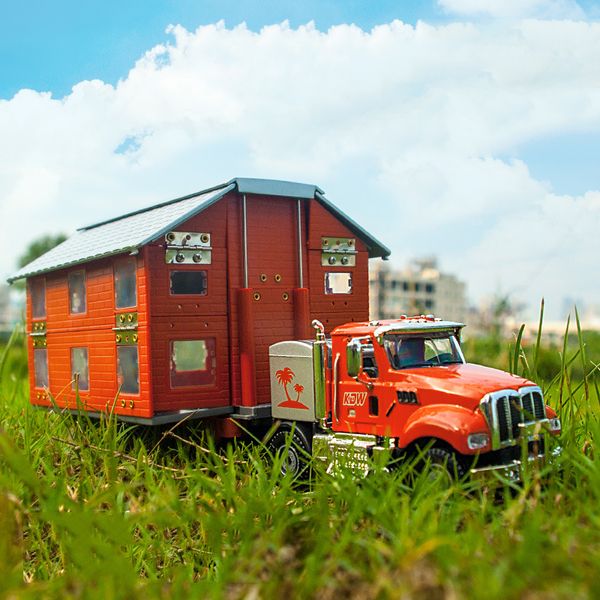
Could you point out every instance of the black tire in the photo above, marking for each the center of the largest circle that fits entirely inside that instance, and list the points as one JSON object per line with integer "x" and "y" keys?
{"x": 440, "y": 458}
{"x": 297, "y": 450}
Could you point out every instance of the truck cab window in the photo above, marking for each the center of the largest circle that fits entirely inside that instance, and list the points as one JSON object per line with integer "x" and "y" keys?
{"x": 410, "y": 351}
{"x": 369, "y": 365}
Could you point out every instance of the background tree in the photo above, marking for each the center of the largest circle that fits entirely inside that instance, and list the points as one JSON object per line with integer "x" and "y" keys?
{"x": 40, "y": 246}
{"x": 36, "y": 248}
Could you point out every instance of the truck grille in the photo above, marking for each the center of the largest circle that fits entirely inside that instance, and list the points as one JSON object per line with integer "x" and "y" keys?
{"x": 507, "y": 410}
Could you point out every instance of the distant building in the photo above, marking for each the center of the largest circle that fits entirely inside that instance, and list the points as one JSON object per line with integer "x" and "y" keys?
{"x": 4, "y": 306}
{"x": 420, "y": 288}
{"x": 12, "y": 304}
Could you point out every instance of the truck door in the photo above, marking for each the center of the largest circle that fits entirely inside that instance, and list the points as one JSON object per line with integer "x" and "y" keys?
{"x": 357, "y": 403}
{"x": 372, "y": 403}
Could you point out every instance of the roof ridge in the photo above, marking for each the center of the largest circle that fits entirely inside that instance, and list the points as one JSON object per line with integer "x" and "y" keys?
{"x": 119, "y": 235}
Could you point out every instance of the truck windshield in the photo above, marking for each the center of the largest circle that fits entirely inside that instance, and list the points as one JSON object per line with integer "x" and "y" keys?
{"x": 422, "y": 350}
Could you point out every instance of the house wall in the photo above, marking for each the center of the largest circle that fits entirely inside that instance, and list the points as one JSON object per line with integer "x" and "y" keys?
{"x": 273, "y": 250}
{"x": 336, "y": 309}
{"x": 190, "y": 317}
{"x": 273, "y": 275}
{"x": 164, "y": 318}
{"x": 93, "y": 330}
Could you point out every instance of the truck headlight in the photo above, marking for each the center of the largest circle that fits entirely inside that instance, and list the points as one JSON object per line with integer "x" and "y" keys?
{"x": 555, "y": 425}
{"x": 477, "y": 441}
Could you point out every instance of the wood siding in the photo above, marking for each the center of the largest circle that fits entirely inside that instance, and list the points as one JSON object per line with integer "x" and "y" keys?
{"x": 272, "y": 237}
{"x": 93, "y": 330}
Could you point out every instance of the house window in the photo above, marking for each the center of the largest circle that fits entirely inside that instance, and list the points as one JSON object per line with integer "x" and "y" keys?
{"x": 338, "y": 283}
{"x": 77, "y": 292}
{"x": 79, "y": 369}
{"x": 125, "y": 283}
{"x": 430, "y": 288}
{"x": 128, "y": 371}
{"x": 193, "y": 362}
{"x": 189, "y": 282}
{"x": 38, "y": 298}
{"x": 40, "y": 367}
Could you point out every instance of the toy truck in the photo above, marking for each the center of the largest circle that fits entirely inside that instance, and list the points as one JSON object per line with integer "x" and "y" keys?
{"x": 201, "y": 308}
{"x": 402, "y": 387}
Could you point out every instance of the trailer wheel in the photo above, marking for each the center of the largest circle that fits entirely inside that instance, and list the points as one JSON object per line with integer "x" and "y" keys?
{"x": 295, "y": 452}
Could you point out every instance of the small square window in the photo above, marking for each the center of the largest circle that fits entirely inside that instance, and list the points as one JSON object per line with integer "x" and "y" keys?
{"x": 128, "y": 371}
{"x": 77, "y": 292}
{"x": 79, "y": 369}
{"x": 193, "y": 362}
{"x": 125, "y": 283}
{"x": 338, "y": 283}
{"x": 40, "y": 367}
{"x": 38, "y": 298}
{"x": 189, "y": 282}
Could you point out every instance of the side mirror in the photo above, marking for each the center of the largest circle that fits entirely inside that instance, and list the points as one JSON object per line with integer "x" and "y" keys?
{"x": 353, "y": 357}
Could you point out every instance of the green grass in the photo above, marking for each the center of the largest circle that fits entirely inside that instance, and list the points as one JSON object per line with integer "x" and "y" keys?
{"x": 101, "y": 510}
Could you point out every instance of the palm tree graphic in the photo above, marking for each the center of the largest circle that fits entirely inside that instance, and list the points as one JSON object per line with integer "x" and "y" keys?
{"x": 285, "y": 376}
{"x": 298, "y": 389}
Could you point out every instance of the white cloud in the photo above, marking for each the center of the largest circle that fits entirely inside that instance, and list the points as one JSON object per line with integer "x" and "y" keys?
{"x": 544, "y": 9}
{"x": 409, "y": 129}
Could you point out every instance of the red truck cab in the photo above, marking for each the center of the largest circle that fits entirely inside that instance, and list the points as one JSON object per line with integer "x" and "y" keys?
{"x": 402, "y": 385}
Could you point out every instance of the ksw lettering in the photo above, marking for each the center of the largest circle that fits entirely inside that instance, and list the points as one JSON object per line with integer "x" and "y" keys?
{"x": 354, "y": 398}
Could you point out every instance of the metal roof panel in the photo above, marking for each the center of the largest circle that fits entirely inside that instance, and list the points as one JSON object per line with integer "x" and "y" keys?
{"x": 119, "y": 235}
{"x": 135, "y": 229}
{"x": 376, "y": 248}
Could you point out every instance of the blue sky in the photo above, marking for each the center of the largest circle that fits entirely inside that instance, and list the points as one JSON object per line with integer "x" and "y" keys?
{"x": 50, "y": 46}
{"x": 470, "y": 129}
{"x": 53, "y": 45}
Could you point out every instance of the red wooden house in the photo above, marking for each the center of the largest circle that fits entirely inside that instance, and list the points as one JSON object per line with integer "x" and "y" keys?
{"x": 172, "y": 308}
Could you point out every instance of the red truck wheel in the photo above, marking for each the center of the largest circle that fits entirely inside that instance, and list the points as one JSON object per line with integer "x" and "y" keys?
{"x": 295, "y": 452}
{"x": 446, "y": 459}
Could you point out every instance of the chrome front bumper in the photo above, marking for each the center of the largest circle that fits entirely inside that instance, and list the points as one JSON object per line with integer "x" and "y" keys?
{"x": 511, "y": 472}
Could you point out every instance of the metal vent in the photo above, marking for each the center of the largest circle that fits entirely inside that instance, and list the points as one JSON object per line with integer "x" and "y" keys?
{"x": 528, "y": 413}
{"x": 539, "y": 410}
{"x": 503, "y": 413}
{"x": 513, "y": 414}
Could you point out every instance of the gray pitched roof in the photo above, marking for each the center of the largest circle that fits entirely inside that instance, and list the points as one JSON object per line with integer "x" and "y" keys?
{"x": 133, "y": 230}
{"x": 123, "y": 234}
